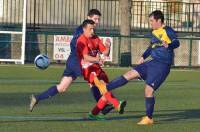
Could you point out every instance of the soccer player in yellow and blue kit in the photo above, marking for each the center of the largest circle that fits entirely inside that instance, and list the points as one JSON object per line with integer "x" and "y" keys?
{"x": 154, "y": 71}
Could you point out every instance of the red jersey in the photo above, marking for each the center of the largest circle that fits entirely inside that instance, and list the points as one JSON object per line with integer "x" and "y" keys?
{"x": 90, "y": 46}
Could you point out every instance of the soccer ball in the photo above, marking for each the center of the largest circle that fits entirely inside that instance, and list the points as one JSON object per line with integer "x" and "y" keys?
{"x": 41, "y": 61}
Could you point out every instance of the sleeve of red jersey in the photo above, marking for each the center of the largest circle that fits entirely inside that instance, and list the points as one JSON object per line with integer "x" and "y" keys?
{"x": 102, "y": 47}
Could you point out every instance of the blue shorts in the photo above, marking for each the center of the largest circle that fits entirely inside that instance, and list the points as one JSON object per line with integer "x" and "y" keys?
{"x": 153, "y": 72}
{"x": 72, "y": 68}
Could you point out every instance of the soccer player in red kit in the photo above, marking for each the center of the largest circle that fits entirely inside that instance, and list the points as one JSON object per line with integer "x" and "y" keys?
{"x": 89, "y": 47}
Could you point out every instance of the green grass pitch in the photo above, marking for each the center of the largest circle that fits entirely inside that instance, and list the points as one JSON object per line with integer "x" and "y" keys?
{"x": 177, "y": 106}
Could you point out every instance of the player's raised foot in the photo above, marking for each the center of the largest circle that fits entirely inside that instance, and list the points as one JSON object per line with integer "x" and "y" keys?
{"x": 122, "y": 105}
{"x": 101, "y": 85}
{"x": 33, "y": 102}
{"x": 107, "y": 109}
{"x": 95, "y": 117}
{"x": 145, "y": 121}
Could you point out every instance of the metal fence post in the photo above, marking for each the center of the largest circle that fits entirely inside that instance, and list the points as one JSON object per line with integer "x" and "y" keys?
{"x": 46, "y": 44}
{"x": 119, "y": 53}
{"x": 190, "y": 52}
{"x": 34, "y": 18}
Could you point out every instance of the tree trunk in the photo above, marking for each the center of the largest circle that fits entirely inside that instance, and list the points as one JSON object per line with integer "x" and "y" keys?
{"x": 125, "y": 48}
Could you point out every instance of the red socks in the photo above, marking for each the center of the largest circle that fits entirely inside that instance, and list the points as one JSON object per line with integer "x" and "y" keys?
{"x": 99, "y": 106}
{"x": 111, "y": 99}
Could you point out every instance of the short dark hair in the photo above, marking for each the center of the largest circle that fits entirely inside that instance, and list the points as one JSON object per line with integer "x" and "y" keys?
{"x": 157, "y": 14}
{"x": 93, "y": 12}
{"x": 86, "y": 22}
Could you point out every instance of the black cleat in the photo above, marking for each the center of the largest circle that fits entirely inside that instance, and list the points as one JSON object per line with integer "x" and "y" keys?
{"x": 122, "y": 107}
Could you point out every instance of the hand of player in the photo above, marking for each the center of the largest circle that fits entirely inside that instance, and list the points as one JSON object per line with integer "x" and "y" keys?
{"x": 164, "y": 43}
{"x": 140, "y": 61}
{"x": 102, "y": 59}
{"x": 101, "y": 62}
{"x": 107, "y": 43}
{"x": 98, "y": 58}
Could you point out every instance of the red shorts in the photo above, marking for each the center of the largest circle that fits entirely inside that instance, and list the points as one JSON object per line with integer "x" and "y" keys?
{"x": 99, "y": 72}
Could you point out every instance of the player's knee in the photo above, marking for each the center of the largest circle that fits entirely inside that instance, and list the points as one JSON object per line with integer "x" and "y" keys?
{"x": 64, "y": 84}
{"x": 103, "y": 98}
{"x": 131, "y": 74}
{"x": 149, "y": 91}
{"x": 61, "y": 88}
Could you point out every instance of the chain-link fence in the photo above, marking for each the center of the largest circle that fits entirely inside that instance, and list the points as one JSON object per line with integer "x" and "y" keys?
{"x": 45, "y": 18}
{"x": 188, "y": 54}
{"x": 65, "y": 15}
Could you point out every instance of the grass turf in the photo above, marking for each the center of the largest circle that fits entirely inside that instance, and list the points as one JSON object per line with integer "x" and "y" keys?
{"x": 177, "y": 103}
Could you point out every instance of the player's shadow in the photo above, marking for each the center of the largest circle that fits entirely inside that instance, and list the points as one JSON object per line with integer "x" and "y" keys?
{"x": 46, "y": 120}
{"x": 164, "y": 116}
{"x": 18, "y": 119}
{"x": 161, "y": 116}
{"x": 169, "y": 116}
{"x": 178, "y": 115}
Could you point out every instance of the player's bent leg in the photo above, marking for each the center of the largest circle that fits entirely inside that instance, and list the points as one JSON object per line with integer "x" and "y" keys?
{"x": 92, "y": 79}
{"x": 118, "y": 105}
{"x": 101, "y": 85}
{"x": 34, "y": 99}
{"x": 97, "y": 95}
{"x": 117, "y": 82}
{"x": 95, "y": 92}
{"x": 108, "y": 95}
{"x": 96, "y": 110}
{"x": 131, "y": 74}
{"x": 52, "y": 91}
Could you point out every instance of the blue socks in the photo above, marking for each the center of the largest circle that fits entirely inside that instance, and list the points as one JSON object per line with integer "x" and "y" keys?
{"x": 150, "y": 101}
{"x": 117, "y": 82}
{"x": 96, "y": 93}
{"x": 47, "y": 94}
{"x": 52, "y": 91}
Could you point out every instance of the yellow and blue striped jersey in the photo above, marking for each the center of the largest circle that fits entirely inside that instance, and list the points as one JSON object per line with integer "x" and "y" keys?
{"x": 157, "y": 50}
{"x": 161, "y": 34}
